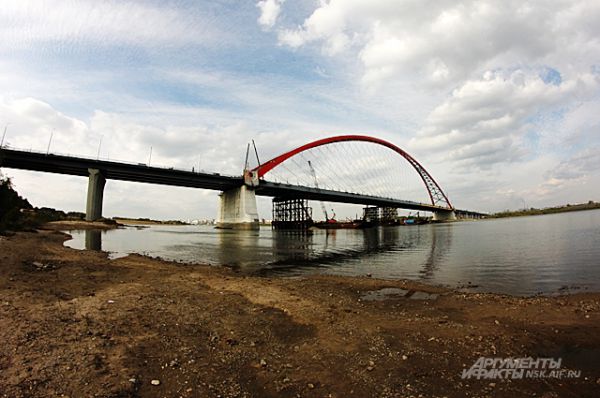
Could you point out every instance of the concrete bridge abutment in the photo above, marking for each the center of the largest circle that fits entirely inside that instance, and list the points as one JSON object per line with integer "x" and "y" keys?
{"x": 238, "y": 209}
{"x": 95, "y": 195}
{"x": 444, "y": 216}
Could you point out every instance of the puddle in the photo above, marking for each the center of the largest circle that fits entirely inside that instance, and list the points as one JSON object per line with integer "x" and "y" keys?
{"x": 423, "y": 296}
{"x": 388, "y": 293}
{"x": 384, "y": 294}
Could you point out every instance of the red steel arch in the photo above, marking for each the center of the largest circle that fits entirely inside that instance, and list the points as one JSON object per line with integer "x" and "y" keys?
{"x": 436, "y": 194}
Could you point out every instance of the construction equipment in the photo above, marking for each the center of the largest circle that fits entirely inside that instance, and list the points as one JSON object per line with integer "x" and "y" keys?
{"x": 314, "y": 174}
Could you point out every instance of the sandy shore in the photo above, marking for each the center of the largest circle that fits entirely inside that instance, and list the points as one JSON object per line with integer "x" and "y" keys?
{"x": 74, "y": 323}
{"x": 68, "y": 225}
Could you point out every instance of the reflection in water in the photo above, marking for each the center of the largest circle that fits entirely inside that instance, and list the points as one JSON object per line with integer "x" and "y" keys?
{"x": 527, "y": 255}
{"x": 334, "y": 248}
{"x": 237, "y": 247}
{"x": 93, "y": 239}
{"x": 441, "y": 241}
{"x": 293, "y": 246}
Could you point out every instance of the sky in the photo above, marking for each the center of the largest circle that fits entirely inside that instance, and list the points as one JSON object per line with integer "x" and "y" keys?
{"x": 499, "y": 100}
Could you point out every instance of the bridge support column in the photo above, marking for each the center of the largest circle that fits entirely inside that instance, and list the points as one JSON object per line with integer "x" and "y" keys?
{"x": 238, "y": 209}
{"x": 95, "y": 194}
{"x": 444, "y": 216}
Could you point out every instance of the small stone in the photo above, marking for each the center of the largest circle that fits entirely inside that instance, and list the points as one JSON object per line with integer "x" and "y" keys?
{"x": 155, "y": 382}
{"x": 497, "y": 322}
{"x": 370, "y": 368}
{"x": 404, "y": 357}
{"x": 263, "y": 363}
{"x": 371, "y": 363}
{"x": 132, "y": 380}
{"x": 492, "y": 384}
{"x": 311, "y": 385}
{"x": 110, "y": 301}
{"x": 369, "y": 275}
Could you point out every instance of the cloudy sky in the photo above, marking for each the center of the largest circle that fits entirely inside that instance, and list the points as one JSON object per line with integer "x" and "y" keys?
{"x": 500, "y": 100}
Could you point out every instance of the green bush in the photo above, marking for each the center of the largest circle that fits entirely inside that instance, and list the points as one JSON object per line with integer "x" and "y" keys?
{"x": 11, "y": 206}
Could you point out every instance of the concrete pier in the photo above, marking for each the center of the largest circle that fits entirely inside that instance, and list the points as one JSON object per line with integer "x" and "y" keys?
{"x": 93, "y": 210}
{"x": 444, "y": 216}
{"x": 238, "y": 209}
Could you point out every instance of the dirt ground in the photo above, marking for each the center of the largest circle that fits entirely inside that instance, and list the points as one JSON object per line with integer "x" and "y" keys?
{"x": 74, "y": 323}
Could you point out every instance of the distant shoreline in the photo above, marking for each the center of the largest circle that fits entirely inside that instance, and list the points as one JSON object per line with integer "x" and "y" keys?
{"x": 549, "y": 210}
{"x": 134, "y": 221}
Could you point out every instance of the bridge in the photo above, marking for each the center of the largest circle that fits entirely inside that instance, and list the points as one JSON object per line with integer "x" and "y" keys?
{"x": 238, "y": 198}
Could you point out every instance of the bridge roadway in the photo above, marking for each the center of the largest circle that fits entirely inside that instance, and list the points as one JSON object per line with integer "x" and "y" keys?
{"x": 51, "y": 163}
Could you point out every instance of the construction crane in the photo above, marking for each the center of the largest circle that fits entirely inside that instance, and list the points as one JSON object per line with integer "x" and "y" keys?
{"x": 314, "y": 174}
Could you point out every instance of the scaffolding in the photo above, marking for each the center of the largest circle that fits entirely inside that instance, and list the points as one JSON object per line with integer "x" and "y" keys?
{"x": 291, "y": 214}
{"x": 380, "y": 215}
{"x": 371, "y": 214}
{"x": 388, "y": 214}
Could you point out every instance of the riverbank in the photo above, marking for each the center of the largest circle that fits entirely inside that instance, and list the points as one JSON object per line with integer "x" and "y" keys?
{"x": 76, "y": 323}
{"x": 69, "y": 225}
{"x": 147, "y": 221}
{"x": 591, "y": 205}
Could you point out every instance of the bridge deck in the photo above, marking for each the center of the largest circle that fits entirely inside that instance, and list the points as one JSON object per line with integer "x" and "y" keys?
{"x": 115, "y": 170}
{"x": 77, "y": 166}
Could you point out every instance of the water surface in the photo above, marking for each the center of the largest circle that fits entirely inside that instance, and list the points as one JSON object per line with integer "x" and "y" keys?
{"x": 521, "y": 256}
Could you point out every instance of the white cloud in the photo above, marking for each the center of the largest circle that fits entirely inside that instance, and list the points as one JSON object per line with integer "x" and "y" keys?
{"x": 446, "y": 41}
{"x": 24, "y": 23}
{"x": 32, "y": 122}
{"x": 269, "y": 11}
{"x": 579, "y": 127}
{"x": 579, "y": 165}
{"x": 485, "y": 120}
{"x": 327, "y": 23}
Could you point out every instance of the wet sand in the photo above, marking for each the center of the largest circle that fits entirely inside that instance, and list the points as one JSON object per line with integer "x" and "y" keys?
{"x": 74, "y": 323}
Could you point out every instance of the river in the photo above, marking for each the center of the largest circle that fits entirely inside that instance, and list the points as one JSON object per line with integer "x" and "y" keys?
{"x": 519, "y": 256}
